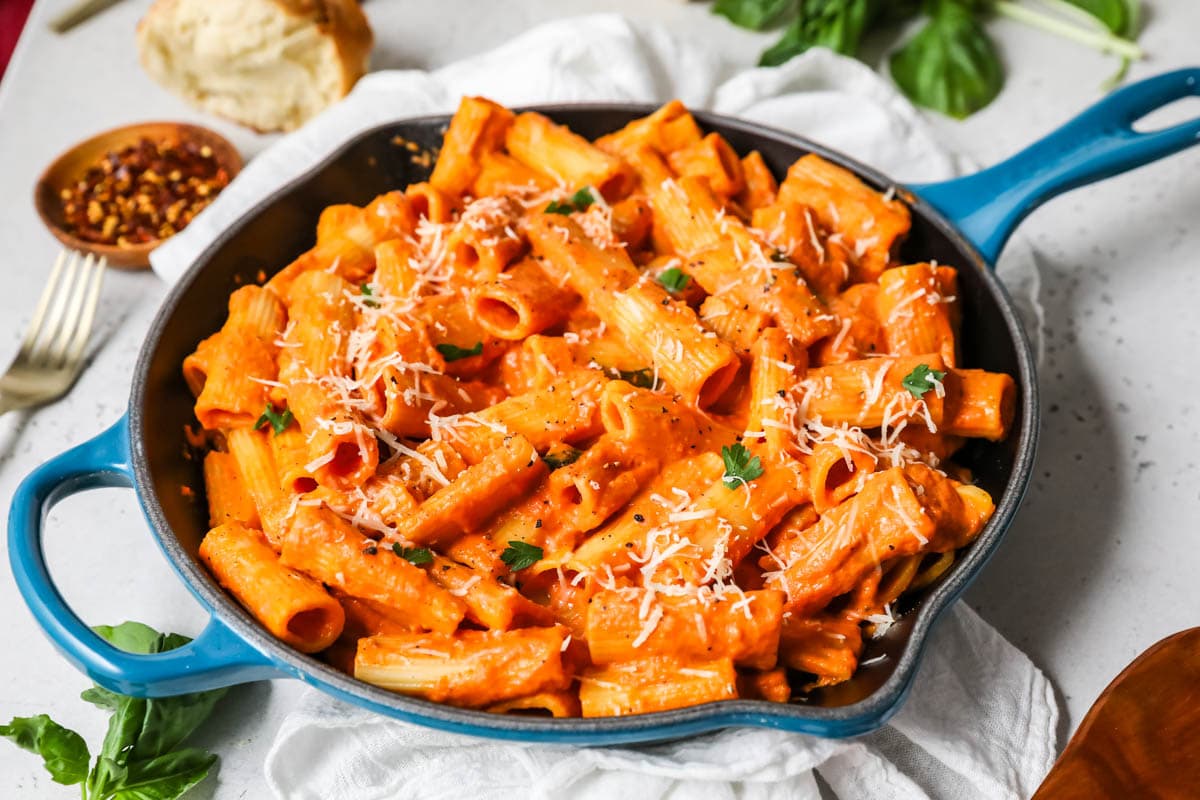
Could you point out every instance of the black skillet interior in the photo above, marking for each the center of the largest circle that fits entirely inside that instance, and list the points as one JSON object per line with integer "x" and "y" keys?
{"x": 381, "y": 160}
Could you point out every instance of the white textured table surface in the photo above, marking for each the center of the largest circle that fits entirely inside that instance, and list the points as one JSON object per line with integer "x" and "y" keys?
{"x": 1101, "y": 560}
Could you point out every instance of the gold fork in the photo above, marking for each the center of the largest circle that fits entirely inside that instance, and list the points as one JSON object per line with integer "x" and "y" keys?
{"x": 51, "y": 354}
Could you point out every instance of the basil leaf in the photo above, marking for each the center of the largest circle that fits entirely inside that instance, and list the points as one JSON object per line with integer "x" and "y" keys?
{"x": 556, "y": 207}
{"x": 169, "y": 720}
{"x": 147, "y": 728}
{"x": 1133, "y": 14}
{"x": 63, "y": 751}
{"x": 137, "y": 760}
{"x": 752, "y": 14}
{"x": 132, "y": 637}
{"x": 170, "y": 641}
{"x": 893, "y": 11}
{"x": 123, "y": 728}
{"x": 166, "y": 777}
{"x": 128, "y": 712}
{"x": 1113, "y": 14}
{"x": 102, "y": 698}
{"x": 836, "y": 24}
{"x": 452, "y": 352}
{"x": 950, "y": 65}
{"x": 106, "y": 774}
{"x": 794, "y": 42}
{"x": 125, "y": 724}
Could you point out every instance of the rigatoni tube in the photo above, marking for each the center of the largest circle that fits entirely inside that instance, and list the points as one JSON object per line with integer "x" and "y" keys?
{"x": 322, "y": 545}
{"x": 291, "y": 605}
{"x": 467, "y": 668}
{"x": 742, "y": 626}
{"x": 654, "y": 684}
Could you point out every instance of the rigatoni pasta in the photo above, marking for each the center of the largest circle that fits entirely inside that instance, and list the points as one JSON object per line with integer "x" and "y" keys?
{"x": 291, "y": 605}
{"x": 594, "y": 428}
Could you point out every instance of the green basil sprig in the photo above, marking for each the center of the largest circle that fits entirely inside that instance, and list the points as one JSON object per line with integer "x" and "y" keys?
{"x": 951, "y": 63}
{"x": 141, "y": 757}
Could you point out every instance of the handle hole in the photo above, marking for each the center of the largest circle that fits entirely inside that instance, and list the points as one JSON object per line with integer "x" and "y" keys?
{"x": 1185, "y": 109}
{"x": 106, "y": 565}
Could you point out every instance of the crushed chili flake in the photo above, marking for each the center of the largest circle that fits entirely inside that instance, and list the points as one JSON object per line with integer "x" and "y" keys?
{"x": 143, "y": 192}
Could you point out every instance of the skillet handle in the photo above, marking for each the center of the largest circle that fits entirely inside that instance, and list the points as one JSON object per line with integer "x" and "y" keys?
{"x": 1097, "y": 144}
{"x": 217, "y": 657}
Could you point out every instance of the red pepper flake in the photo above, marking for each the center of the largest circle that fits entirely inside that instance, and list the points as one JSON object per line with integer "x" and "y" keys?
{"x": 144, "y": 192}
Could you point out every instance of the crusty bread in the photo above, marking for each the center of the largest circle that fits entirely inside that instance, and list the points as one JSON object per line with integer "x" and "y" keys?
{"x": 268, "y": 64}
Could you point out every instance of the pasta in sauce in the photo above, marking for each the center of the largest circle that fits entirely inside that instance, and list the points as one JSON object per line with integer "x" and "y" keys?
{"x": 593, "y": 428}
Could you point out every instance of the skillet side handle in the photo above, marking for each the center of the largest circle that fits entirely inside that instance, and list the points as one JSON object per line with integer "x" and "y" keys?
{"x": 216, "y": 658}
{"x": 1097, "y": 144}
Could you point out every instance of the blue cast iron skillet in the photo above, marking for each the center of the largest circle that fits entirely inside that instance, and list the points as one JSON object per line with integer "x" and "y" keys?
{"x": 964, "y": 223}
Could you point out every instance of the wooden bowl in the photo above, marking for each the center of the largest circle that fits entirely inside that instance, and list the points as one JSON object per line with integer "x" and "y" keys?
{"x": 72, "y": 164}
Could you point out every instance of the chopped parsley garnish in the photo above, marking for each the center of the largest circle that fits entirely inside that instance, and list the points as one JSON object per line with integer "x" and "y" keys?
{"x": 369, "y": 293}
{"x": 452, "y": 352}
{"x": 921, "y": 380}
{"x": 420, "y": 556}
{"x": 740, "y": 466}
{"x": 674, "y": 279}
{"x": 561, "y": 458}
{"x": 279, "y": 422}
{"x": 519, "y": 555}
{"x": 578, "y": 202}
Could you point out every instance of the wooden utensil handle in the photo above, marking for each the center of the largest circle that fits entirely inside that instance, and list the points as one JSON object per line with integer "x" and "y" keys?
{"x": 1142, "y": 736}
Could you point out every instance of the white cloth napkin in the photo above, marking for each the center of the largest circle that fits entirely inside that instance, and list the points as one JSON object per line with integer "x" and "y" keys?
{"x": 981, "y": 719}
{"x": 980, "y": 723}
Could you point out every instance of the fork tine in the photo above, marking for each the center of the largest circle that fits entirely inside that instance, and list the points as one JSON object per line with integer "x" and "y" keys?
{"x": 74, "y": 354}
{"x": 58, "y": 308}
{"x": 72, "y": 314}
{"x": 39, "y": 313}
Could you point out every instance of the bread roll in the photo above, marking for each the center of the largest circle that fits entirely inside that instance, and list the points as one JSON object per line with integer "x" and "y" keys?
{"x": 268, "y": 64}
